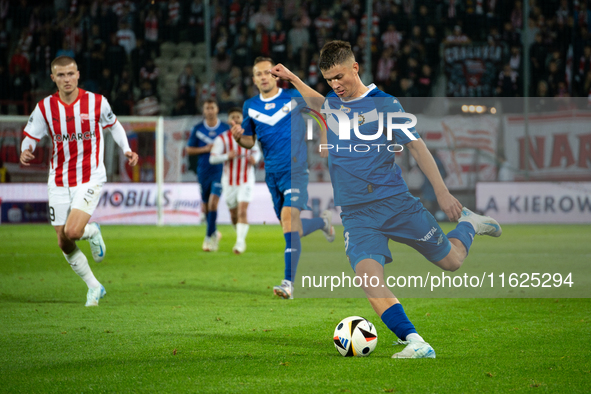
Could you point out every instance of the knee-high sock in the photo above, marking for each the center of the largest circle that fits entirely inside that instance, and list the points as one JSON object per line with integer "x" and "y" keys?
{"x": 79, "y": 264}
{"x": 396, "y": 320}
{"x": 311, "y": 225}
{"x": 465, "y": 232}
{"x": 211, "y": 219}
{"x": 293, "y": 248}
{"x": 241, "y": 231}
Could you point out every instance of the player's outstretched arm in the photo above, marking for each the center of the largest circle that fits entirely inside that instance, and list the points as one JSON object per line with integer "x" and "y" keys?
{"x": 193, "y": 150}
{"x": 448, "y": 203}
{"x": 312, "y": 97}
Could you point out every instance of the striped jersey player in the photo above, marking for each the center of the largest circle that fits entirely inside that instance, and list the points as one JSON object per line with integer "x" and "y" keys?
{"x": 237, "y": 178}
{"x": 75, "y": 120}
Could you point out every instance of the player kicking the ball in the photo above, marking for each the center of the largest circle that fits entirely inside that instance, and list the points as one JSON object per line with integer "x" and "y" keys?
{"x": 268, "y": 117}
{"x": 238, "y": 177}
{"x": 375, "y": 201}
{"x": 75, "y": 121}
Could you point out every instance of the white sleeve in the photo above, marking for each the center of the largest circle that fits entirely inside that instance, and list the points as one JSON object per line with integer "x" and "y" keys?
{"x": 108, "y": 118}
{"x": 109, "y": 121}
{"x": 35, "y": 129}
{"x": 256, "y": 152}
{"x": 217, "y": 155}
{"x": 120, "y": 137}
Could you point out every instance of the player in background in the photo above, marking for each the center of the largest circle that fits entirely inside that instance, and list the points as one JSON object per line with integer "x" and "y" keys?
{"x": 208, "y": 175}
{"x": 238, "y": 177}
{"x": 375, "y": 201}
{"x": 268, "y": 117}
{"x": 75, "y": 120}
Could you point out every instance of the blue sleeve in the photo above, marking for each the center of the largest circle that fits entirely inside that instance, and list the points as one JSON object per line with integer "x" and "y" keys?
{"x": 223, "y": 127}
{"x": 193, "y": 141}
{"x": 391, "y": 104}
{"x": 247, "y": 122}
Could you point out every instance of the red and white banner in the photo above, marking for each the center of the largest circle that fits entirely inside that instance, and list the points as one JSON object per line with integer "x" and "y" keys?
{"x": 559, "y": 146}
{"x": 466, "y": 146}
{"x": 535, "y": 202}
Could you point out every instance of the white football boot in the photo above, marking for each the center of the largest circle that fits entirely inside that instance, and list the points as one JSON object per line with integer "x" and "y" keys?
{"x": 415, "y": 349}
{"x": 285, "y": 290}
{"x": 328, "y": 229}
{"x": 215, "y": 241}
{"x": 94, "y": 295}
{"x": 97, "y": 245}
{"x": 239, "y": 248}
{"x": 483, "y": 225}
{"x": 206, "y": 244}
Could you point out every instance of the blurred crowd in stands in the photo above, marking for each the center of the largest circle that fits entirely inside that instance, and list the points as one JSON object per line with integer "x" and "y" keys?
{"x": 118, "y": 46}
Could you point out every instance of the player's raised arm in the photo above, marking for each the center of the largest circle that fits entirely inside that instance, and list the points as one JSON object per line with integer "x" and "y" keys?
{"x": 448, "y": 203}
{"x": 312, "y": 97}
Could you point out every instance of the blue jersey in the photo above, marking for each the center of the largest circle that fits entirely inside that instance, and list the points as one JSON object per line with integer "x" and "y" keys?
{"x": 363, "y": 171}
{"x": 277, "y": 123}
{"x": 203, "y": 135}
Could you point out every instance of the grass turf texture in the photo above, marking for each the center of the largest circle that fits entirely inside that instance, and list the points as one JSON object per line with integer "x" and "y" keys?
{"x": 176, "y": 319}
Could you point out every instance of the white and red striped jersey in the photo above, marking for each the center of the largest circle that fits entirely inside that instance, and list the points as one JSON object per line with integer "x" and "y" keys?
{"x": 238, "y": 170}
{"x": 77, "y": 136}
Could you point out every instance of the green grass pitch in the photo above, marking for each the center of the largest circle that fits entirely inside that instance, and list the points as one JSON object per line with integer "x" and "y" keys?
{"x": 176, "y": 319}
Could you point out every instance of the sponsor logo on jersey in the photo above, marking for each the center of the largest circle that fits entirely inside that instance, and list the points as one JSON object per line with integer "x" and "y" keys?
{"x": 74, "y": 137}
{"x": 269, "y": 106}
{"x": 344, "y": 109}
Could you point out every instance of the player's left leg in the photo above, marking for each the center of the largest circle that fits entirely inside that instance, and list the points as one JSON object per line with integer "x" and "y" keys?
{"x": 461, "y": 238}
{"x": 241, "y": 228}
{"x": 212, "y": 214}
{"x": 387, "y": 306}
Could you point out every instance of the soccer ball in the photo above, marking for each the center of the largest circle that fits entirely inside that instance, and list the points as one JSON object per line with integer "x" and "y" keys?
{"x": 355, "y": 336}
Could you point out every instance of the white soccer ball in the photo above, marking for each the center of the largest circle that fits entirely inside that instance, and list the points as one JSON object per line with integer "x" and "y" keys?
{"x": 355, "y": 336}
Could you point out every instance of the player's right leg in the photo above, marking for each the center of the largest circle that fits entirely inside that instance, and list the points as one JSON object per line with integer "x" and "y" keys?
{"x": 366, "y": 246}
{"x": 387, "y": 306}
{"x": 59, "y": 210}
{"x": 205, "y": 192}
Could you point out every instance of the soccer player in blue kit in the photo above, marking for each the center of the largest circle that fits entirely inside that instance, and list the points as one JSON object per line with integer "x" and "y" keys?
{"x": 209, "y": 175}
{"x": 375, "y": 201}
{"x": 268, "y": 117}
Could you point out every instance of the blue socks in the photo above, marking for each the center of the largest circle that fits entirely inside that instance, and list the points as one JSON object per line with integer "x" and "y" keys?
{"x": 397, "y": 321}
{"x": 293, "y": 248}
{"x": 311, "y": 225}
{"x": 211, "y": 219}
{"x": 464, "y": 231}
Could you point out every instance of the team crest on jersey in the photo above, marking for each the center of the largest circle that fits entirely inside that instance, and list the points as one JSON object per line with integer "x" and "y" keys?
{"x": 344, "y": 109}
{"x": 269, "y": 106}
{"x": 361, "y": 119}
{"x": 285, "y": 108}
{"x": 84, "y": 117}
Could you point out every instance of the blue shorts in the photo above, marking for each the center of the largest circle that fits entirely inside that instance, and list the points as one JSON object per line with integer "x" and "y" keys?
{"x": 401, "y": 218}
{"x": 210, "y": 185}
{"x": 288, "y": 189}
